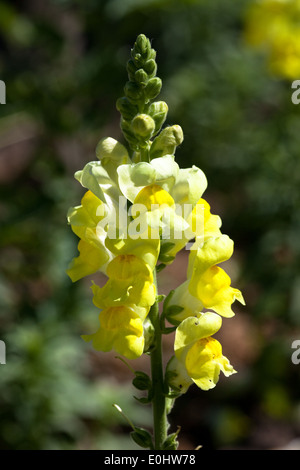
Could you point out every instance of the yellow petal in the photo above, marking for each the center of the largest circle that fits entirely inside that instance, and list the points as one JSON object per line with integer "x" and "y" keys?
{"x": 121, "y": 329}
{"x": 146, "y": 249}
{"x": 139, "y": 293}
{"x": 211, "y": 222}
{"x": 153, "y": 195}
{"x": 213, "y": 289}
{"x": 125, "y": 267}
{"x": 90, "y": 260}
{"x": 213, "y": 251}
{"x": 204, "y": 361}
{"x": 193, "y": 329}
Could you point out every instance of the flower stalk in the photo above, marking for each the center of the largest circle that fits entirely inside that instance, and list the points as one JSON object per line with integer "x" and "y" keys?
{"x": 159, "y": 400}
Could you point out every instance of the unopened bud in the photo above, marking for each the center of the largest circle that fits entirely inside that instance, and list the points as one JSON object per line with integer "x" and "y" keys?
{"x": 128, "y": 134}
{"x": 133, "y": 91}
{"x": 158, "y": 111}
{"x": 127, "y": 109}
{"x": 131, "y": 69}
{"x": 149, "y": 335}
{"x": 166, "y": 142}
{"x": 142, "y": 44}
{"x": 143, "y": 126}
{"x": 109, "y": 148}
{"x": 153, "y": 88}
{"x": 141, "y": 77}
{"x": 150, "y": 67}
{"x": 177, "y": 377}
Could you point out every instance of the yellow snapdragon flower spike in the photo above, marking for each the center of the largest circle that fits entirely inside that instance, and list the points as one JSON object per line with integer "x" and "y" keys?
{"x": 198, "y": 357}
{"x": 274, "y": 26}
{"x": 121, "y": 329}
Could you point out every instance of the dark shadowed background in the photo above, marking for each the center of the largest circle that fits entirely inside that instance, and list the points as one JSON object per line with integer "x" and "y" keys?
{"x": 63, "y": 63}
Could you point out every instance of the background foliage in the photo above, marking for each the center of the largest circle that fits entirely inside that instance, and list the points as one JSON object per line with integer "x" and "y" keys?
{"x": 63, "y": 63}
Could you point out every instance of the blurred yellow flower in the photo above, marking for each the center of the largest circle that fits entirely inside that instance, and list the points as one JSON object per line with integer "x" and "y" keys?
{"x": 274, "y": 26}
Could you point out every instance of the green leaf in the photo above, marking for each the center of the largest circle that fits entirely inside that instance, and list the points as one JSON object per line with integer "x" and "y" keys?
{"x": 142, "y": 381}
{"x": 142, "y": 437}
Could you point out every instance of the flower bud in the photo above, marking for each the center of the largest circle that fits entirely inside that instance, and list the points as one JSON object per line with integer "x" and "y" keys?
{"x": 142, "y": 51}
{"x": 141, "y": 77}
{"x": 109, "y": 148}
{"x": 153, "y": 88}
{"x": 166, "y": 142}
{"x": 133, "y": 91}
{"x": 127, "y": 109}
{"x": 158, "y": 111}
{"x": 150, "y": 67}
{"x": 131, "y": 69}
{"x": 128, "y": 134}
{"x": 142, "y": 44}
{"x": 143, "y": 126}
{"x": 149, "y": 334}
{"x": 177, "y": 377}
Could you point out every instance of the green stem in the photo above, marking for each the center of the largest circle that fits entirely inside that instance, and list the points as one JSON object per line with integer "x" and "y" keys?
{"x": 159, "y": 401}
{"x": 145, "y": 154}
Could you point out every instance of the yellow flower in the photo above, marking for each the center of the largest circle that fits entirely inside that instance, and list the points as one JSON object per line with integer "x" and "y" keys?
{"x": 174, "y": 191}
{"x": 211, "y": 223}
{"x": 84, "y": 220}
{"x": 89, "y": 261}
{"x": 274, "y": 26}
{"x": 155, "y": 208}
{"x": 204, "y": 361}
{"x": 130, "y": 283}
{"x": 198, "y": 357}
{"x": 208, "y": 282}
{"x": 143, "y": 247}
{"x": 213, "y": 289}
{"x": 121, "y": 329}
{"x": 207, "y": 285}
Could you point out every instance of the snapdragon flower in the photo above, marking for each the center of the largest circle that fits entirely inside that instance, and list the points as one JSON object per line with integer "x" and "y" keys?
{"x": 273, "y": 26}
{"x": 207, "y": 286}
{"x": 198, "y": 357}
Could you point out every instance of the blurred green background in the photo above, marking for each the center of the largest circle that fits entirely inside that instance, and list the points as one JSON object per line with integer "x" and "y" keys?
{"x": 63, "y": 63}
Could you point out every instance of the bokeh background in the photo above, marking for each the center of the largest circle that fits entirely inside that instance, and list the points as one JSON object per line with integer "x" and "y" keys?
{"x": 63, "y": 63}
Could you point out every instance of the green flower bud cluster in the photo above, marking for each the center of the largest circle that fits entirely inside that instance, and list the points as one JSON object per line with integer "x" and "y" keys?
{"x": 141, "y": 118}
